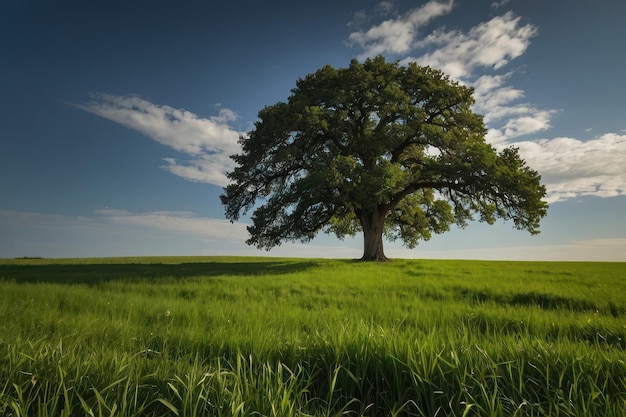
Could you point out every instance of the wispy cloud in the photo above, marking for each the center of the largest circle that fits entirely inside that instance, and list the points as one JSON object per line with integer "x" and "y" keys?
{"x": 498, "y": 4}
{"x": 479, "y": 58}
{"x": 467, "y": 57}
{"x": 118, "y": 233}
{"x": 491, "y": 44}
{"x": 397, "y": 35}
{"x": 507, "y": 117}
{"x": 184, "y": 222}
{"x": 593, "y": 250}
{"x": 208, "y": 143}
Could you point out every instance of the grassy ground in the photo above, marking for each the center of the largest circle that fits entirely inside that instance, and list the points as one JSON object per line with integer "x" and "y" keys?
{"x": 289, "y": 337}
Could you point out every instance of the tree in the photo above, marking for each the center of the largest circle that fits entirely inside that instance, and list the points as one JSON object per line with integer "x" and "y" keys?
{"x": 392, "y": 151}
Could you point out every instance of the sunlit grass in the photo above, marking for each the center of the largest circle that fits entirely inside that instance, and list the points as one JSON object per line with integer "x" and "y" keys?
{"x": 283, "y": 337}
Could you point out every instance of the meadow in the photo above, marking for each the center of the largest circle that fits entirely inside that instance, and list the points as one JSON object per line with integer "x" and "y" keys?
{"x": 311, "y": 337}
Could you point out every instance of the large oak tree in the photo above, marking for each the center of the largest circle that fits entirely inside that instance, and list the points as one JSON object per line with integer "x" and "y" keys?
{"x": 393, "y": 151}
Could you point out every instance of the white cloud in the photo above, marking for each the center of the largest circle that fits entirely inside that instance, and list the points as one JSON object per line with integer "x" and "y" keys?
{"x": 498, "y": 103}
{"x": 225, "y": 116}
{"x": 208, "y": 142}
{"x": 119, "y": 233}
{"x": 572, "y": 168}
{"x": 208, "y": 168}
{"x": 178, "y": 222}
{"x": 398, "y": 35}
{"x": 491, "y": 44}
{"x": 490, "y": 94}
{"x": 527, "y": 121}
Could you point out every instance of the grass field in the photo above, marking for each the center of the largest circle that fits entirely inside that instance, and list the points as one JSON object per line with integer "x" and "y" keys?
{"x": 311, "y": 337}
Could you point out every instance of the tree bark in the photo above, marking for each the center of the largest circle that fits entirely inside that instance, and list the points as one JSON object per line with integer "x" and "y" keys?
{"x": 373, "y": 223}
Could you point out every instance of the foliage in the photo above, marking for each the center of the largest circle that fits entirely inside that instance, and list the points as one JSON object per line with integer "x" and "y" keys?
{"x": 378, "y": 148}
{"x": 296, "y": 337}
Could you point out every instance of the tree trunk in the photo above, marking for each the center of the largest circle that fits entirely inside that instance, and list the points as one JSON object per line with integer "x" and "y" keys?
{"x": 372, "y": 224}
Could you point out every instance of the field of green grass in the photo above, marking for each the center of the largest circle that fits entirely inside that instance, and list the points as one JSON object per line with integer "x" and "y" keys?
{"x": 311, "y": 337}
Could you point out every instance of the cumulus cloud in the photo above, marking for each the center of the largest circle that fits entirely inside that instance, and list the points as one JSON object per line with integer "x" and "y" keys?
{"x": 208, "y": 143}
{"x": 572, "y": 168}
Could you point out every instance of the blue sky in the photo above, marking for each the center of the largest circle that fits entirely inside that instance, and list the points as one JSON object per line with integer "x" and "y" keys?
{"x": 117, "y": 117}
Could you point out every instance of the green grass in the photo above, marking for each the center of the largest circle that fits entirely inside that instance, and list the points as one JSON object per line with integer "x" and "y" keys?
{"x": 311, "y": 337}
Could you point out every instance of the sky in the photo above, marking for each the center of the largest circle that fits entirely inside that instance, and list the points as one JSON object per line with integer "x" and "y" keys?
{"x": 117, "y": 118}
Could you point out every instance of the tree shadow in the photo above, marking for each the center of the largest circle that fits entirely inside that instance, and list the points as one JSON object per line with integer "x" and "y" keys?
{"x": 93, "y": 273}
{"x": 527, "y": 299}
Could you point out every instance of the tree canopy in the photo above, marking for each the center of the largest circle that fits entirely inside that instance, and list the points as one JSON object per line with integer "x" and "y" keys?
{"x": 388, "y": 150}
